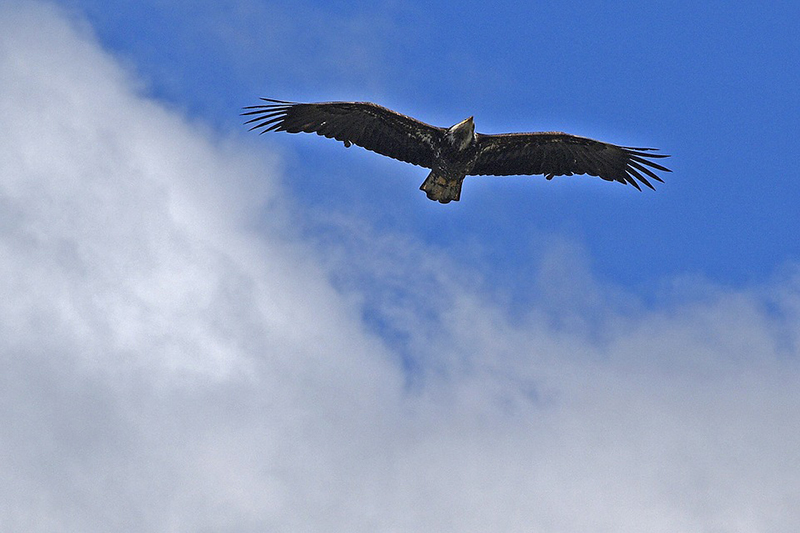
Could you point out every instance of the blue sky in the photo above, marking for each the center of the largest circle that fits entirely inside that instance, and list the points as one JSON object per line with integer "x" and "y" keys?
{"x": 206, "y": 329}
{"x": 710, "y": 83}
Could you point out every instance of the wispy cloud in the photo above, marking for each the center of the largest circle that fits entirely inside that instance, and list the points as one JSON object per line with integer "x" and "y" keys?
{"x": 175, "y": 356}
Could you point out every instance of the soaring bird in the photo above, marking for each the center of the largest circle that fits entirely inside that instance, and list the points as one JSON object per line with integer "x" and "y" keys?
{"x": 458, "y": 151}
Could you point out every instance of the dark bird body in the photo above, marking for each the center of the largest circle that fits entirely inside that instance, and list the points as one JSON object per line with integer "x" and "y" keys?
{"x": 456, "y": 152}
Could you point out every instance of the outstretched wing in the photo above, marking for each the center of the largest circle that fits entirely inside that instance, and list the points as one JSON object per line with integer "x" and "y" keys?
{"x": 365, "y": 124}
{"x": 557, "y": 154}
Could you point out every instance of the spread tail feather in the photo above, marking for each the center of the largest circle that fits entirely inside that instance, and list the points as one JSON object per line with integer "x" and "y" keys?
{"x": 442, "y": 189}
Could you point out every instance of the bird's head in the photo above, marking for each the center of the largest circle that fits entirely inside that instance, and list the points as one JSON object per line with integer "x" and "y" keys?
{"x": 462, "y": 134}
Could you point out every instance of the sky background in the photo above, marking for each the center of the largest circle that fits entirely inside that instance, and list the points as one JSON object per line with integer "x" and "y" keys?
{"x": 203, "y": 329}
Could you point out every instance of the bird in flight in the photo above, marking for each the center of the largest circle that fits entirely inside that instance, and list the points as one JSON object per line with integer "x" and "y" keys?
{"x": 458, "y": 151}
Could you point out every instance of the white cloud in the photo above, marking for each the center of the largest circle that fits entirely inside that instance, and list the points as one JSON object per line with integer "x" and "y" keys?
{"x": 175, "y": 358}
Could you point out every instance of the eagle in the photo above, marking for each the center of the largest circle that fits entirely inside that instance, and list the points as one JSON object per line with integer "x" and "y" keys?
{"x": 458, "y": 151}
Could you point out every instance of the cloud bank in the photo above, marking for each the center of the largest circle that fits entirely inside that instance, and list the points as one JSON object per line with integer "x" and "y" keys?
{"x": 177, "y": 356}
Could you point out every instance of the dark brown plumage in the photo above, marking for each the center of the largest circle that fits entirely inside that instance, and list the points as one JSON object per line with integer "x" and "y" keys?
{"x": 455, "y": 152}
